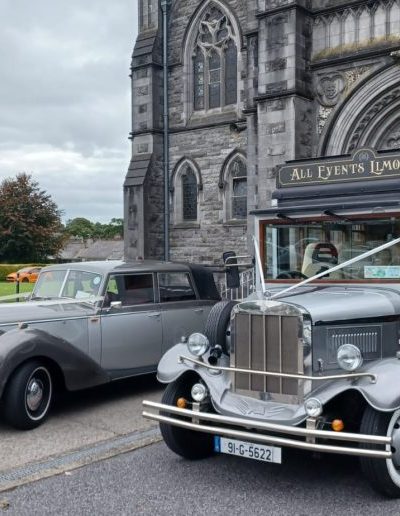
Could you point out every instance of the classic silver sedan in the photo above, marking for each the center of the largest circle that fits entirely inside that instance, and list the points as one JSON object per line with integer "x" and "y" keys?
{"x": 90, "y": 323}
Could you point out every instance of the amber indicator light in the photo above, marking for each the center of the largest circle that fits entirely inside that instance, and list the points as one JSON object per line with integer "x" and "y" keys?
{"x": 337, "y": 425}
{"x": 181, "y": 403}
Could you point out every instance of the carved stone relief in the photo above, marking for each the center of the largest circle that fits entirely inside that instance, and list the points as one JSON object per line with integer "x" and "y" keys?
{"x": 355, "y": 74}
{"x": 323, "y": 115}
{"x": 371, "y": 113}
{"x": 330, "y": 87}
{"x": 277, "y": 64}
{"x": 330, "y": 90}
{"x": 393, "y": 141}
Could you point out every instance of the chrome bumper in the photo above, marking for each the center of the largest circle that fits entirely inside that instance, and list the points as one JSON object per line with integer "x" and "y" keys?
{"x": 226, "y": 427}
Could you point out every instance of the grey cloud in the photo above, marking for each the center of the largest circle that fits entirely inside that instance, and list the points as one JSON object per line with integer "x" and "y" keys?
{"x": 64, "y": 86}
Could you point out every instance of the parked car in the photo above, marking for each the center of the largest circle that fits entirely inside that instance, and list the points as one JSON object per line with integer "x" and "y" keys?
{"x": 25, "y": 275}
{"x": 313, "y": 367}
{"x": 87, "y": 324}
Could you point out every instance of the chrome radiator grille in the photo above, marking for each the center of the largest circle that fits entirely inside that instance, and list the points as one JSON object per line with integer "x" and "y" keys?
{"x": 267, "y": 343}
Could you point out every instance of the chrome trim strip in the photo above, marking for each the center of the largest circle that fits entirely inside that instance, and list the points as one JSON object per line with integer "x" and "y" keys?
{"x": 260, "y": 425}
{"x": 280, "y": 441}
{"x": 373, "y": 377}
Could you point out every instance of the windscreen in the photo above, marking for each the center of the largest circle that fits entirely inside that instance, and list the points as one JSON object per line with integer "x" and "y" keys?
{"x": 299, "y": 251}
{"x": 71, "y": 284}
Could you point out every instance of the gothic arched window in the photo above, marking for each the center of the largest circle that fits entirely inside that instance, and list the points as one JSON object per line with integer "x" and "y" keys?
{"x": 186, "y": 188}
{"x": 214, "y": 62}
{"x": 238, "y": 179}
{"x": 189, "y": 195}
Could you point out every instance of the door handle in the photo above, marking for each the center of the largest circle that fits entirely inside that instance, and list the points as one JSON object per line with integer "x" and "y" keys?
{"x": 154, "y": 315}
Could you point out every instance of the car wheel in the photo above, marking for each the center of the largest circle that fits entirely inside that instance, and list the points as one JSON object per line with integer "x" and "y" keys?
{"x": 28, "y": 396}
{"x": 189, "y": 444}
{"x": 383, "y": 475}
{"x": 25, "y": 280}
{"x": 217, "y": 327}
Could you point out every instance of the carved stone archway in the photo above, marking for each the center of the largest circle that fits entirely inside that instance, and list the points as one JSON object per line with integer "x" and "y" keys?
{"x": 370, "y": 117}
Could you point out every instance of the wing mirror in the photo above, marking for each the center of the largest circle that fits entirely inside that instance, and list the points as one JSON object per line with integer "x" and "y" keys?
{"x": 115, "y": 304}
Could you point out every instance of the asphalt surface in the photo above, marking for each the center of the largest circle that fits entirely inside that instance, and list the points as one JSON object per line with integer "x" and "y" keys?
{"x": 152, "y": 480}
{"x": 81, "y": 419}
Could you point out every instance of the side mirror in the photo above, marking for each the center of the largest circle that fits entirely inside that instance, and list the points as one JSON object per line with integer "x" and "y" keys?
{"x": 115, "y": 304}
{"x": 231, "y": 269}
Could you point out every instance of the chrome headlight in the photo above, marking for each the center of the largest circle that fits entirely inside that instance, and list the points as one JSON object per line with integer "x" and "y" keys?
{"x": 199, "y": 392}
{"x": 349, "y": 357}
{"x": 313, "y": 407}
{"x": 198, "y": 344}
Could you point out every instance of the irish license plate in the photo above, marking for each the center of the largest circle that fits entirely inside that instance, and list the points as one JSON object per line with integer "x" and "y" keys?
{"x": 248, "y": 450}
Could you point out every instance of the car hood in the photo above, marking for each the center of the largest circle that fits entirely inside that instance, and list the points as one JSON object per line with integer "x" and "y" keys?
{"x": 41, "y": 310}
{"x": 339, "y": 303}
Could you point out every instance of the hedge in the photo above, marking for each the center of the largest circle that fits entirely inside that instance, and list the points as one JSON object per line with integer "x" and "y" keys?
{"x": 7, "y": 268}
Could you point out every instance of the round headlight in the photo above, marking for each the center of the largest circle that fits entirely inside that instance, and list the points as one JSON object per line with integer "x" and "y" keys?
{"x": 349, "y": 357}
{"x": 198, "y": 344}
{"x": 199, "y": 392}
{"x": 313, "y": 407}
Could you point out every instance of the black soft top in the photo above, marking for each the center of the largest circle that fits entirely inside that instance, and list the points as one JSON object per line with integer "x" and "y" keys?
{"x": 205, "y": 282}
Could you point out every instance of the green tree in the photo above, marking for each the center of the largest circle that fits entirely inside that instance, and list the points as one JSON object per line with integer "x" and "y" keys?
{"x": 79, "y": 227}
{"x": 84, "y": 228}
{"x": 30, "y": 222}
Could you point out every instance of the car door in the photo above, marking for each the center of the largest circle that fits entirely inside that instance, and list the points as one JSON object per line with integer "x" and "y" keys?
{"x": 182, "y": 312}
{"x": 130, "y": 325}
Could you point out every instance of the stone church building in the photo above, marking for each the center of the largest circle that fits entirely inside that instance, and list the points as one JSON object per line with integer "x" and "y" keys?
{"x": 252, "y": 84}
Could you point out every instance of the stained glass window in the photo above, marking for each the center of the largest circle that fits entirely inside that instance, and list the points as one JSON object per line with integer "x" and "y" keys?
{"x": 198, "y": 79}
{"x": 231, "y": 73}
{"x": 214, "y": 62}
{"x": 214, "y": 65}
{"x": 189, "y": 195}
{"x": 238, "y": 174}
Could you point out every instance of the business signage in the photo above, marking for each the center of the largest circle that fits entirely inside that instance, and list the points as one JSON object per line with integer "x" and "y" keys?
{"x": 363, "y": 165}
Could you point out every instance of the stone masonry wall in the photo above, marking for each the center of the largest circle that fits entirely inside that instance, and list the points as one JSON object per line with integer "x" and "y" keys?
{"x": 207, "y": 239}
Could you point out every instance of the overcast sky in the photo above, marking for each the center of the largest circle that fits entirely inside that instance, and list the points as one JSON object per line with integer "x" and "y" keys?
{"x": 65, "y": 99}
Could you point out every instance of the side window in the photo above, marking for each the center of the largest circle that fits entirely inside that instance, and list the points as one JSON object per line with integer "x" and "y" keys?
{"x": 175, "y": 286}
{"x": 136, "y": 289}
{"x": 130, "y": 289}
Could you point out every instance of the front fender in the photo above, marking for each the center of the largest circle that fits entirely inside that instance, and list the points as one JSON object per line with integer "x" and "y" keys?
{"x": 17, "y": 346}
{"x": 384, "y": 395}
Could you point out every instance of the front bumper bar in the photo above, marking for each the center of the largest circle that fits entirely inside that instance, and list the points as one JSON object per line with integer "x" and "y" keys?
{"x": 225, "y": 426}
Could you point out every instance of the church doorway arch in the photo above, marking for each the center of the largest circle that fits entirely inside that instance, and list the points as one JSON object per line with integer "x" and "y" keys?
{"x": 370, "y": 117}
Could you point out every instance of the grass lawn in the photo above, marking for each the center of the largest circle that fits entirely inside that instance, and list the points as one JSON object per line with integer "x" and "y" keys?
{"x": 7, "y": 288}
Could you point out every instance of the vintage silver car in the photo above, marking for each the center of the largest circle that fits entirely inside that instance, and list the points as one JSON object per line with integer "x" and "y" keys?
{"x": 90, "y": 323}
{"x": 313, "y": 365}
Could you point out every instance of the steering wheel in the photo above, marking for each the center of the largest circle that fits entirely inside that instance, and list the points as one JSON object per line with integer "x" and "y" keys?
{"x": 291, "y": 275}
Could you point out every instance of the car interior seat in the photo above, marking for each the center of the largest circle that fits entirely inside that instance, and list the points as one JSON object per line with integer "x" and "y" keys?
{"x": 318, "y": 257}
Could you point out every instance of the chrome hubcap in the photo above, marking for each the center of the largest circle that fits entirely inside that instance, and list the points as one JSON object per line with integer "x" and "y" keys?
{"x": 393, "y": 464}
{"x": 34, "y": 395}
{"x": 396, "y": 444}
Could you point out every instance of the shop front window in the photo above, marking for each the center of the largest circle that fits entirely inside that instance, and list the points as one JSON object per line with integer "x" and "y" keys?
{"x": 302, "y": 250}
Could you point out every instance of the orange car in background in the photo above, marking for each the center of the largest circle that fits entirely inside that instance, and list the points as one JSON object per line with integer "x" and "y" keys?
{"x": 25, "y": 275}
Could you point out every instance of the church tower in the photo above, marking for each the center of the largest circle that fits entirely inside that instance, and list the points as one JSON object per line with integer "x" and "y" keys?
{"x": 143, "y": 187}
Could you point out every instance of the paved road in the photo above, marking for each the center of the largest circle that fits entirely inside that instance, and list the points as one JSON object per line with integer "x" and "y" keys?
{"x": 81, "y": 419}
{"x": 152, "y": 480}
